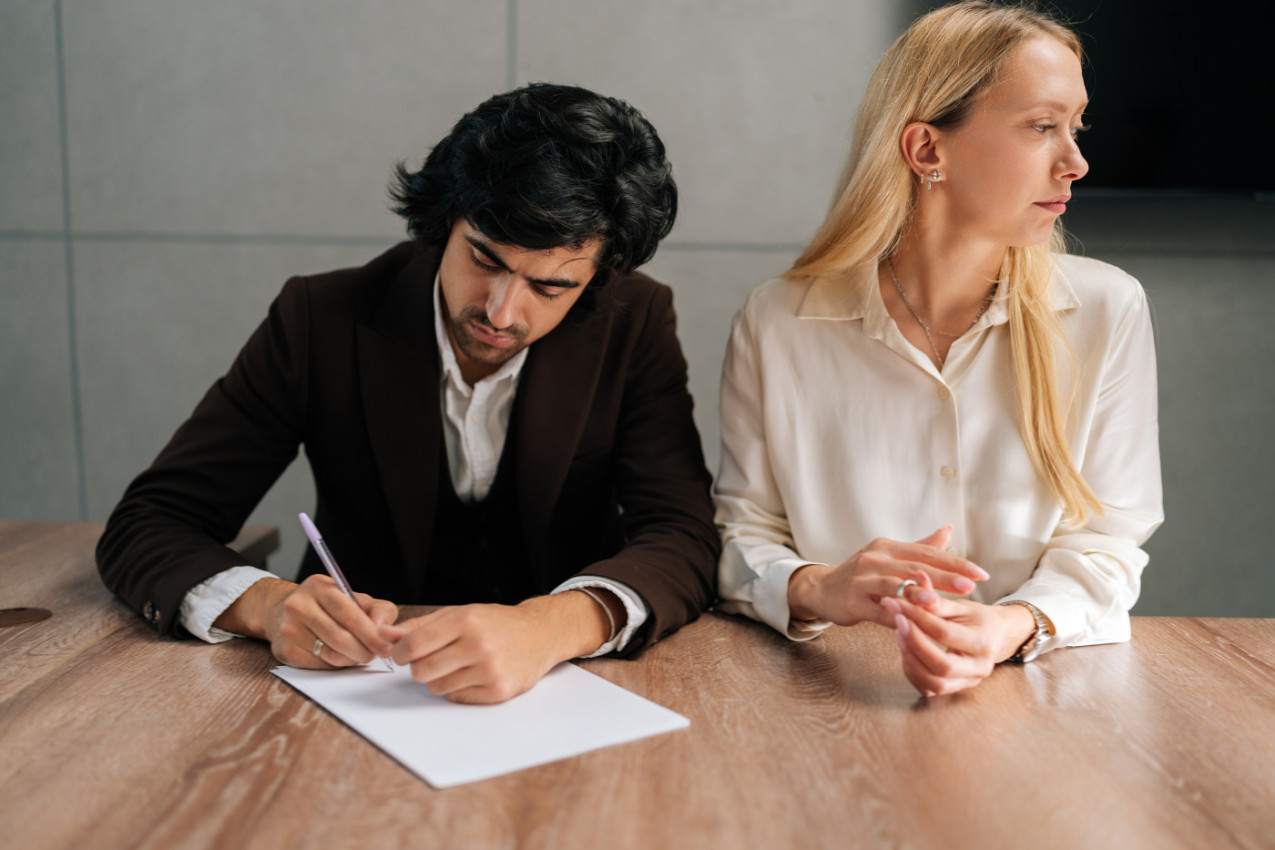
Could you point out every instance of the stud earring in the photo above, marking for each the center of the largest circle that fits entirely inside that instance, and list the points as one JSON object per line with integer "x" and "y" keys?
{"x": 931, "y": 178}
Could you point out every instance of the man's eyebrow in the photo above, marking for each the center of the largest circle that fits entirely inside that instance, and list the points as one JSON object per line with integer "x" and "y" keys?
{"x": 490, "y": 253}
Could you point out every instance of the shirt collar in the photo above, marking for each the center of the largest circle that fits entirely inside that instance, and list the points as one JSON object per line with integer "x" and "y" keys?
{"x": 509, "y": 370}
{"x": 856, "y": 295}
{"x": 851, "y": 295}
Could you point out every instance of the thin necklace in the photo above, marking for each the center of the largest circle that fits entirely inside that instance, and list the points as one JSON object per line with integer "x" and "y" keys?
{"x": 929, "y": 331}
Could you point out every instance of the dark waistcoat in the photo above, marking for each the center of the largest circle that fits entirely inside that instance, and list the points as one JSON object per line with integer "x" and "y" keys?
{"x": 478, "y": 553}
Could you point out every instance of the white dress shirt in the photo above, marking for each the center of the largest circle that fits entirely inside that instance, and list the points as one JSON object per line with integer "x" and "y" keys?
{"x": 836, "y": 430}
{"x": 475, "y": 425}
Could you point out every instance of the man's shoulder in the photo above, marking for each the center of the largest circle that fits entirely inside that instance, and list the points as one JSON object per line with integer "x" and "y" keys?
{"x": 635, "y": 288}
{"x": 628, "y": 304}
{"x": 631, "y": 311}
{"x": 376, "y": 274}
{"x": 388, "y": 286}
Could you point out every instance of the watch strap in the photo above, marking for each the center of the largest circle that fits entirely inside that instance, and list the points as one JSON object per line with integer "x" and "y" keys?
{"x": 1036, "y": 640}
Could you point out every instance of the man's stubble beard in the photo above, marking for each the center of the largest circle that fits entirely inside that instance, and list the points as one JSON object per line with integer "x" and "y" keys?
{"x": 481, "y": 352}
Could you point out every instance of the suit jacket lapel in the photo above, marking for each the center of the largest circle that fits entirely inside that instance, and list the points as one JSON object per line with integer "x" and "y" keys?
{"x": 555, "y": 394}
{"x": 399, "y": 373}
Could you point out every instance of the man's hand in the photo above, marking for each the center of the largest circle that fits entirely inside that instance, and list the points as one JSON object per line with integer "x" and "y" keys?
{"x": 852, "y": 591}
{"x": 949, "y": 645}
{"x": 490, "y": 653}
{"x": 292, "y": 617}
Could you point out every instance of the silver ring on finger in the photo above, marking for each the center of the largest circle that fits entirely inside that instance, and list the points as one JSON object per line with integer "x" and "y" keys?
{"x": 901, "y": 588}
{"x": 317, "y": 648}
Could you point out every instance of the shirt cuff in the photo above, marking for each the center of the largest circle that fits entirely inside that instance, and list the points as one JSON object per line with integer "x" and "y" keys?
{"x": 1074, "y": 621}
{"x": 772, "y": 604}
{"x": 206, "y": 601}
{"x": 635, "y": 609}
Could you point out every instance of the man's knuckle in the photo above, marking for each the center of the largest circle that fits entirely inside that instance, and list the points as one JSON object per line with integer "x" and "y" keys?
{"x": 315, "y": 582}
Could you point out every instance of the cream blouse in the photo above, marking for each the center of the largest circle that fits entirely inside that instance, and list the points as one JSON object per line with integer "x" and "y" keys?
{"x": 836, "y": 430}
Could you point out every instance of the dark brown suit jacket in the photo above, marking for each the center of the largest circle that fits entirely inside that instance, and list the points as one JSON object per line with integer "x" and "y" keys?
{"x": 610, "y": 475}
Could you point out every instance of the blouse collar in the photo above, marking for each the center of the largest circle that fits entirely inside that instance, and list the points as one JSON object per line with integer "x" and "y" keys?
{"x": 855, "y": 295}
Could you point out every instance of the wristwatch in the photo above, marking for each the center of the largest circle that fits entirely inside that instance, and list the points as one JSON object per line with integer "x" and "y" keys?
{"x": 1036, "y": 640}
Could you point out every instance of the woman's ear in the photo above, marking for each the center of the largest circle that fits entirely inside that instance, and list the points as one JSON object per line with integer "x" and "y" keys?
{"x": 919, "y": 143}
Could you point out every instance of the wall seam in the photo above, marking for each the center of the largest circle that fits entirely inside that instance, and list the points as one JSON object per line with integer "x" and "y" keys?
{"x": 673, "y": 246}
{"x": 77, "y": 416}
{"x": 511, "y": 45}
{"x": 232, "y": 238}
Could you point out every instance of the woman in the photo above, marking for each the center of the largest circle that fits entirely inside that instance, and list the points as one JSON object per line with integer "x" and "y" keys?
{"x": 935, "y": 360}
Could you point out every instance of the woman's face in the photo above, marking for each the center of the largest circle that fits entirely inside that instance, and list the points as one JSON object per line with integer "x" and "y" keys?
{"x": 1008, "y": 167}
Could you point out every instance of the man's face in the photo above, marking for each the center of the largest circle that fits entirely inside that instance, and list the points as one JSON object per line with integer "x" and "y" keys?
{"x": 501, "y": 298}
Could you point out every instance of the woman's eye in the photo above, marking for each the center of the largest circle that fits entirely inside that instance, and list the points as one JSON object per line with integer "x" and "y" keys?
{"x": 482, "y": 265}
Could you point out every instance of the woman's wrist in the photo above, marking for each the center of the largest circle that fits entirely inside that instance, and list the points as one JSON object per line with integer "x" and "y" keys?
{"x": 803, "y": 591}
{"x": 1018, "y": 626}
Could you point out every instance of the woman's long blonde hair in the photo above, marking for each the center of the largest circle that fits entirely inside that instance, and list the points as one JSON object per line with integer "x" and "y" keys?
{"x": 934, "y": 73}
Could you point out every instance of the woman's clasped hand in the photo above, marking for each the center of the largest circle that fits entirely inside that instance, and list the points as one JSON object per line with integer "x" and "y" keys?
{"x": 852, "y": 591}
{"x": 947, "y": 644}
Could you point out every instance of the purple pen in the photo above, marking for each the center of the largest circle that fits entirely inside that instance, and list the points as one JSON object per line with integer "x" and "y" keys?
{"x": 329, "y": 564}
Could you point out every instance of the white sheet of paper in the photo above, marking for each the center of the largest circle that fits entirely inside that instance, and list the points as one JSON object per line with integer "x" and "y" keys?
{"x": 570, "y": 711}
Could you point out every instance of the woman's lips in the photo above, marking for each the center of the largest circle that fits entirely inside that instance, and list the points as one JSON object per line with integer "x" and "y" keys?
{"x": 1057, "y": 206}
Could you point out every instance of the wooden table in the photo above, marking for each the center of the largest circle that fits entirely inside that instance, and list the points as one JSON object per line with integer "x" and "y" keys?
{"x": 112, "y": 738}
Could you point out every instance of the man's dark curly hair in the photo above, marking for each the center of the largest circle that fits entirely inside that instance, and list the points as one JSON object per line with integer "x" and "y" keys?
{"x": 546, "y": 166}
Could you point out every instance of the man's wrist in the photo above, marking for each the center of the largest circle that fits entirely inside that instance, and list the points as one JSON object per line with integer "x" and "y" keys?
{"x": 576, "y": 624}
{"x": 249, "y": 615}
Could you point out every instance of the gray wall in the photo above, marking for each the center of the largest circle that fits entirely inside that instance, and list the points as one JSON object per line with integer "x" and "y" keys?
{"x": 1208, "y": 265}
{"x": 165, "y": 165}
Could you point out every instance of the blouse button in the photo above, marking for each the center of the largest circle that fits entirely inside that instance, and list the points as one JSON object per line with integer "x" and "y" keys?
{"x": 947, "y": 472}
{"x": 944, "y": 395}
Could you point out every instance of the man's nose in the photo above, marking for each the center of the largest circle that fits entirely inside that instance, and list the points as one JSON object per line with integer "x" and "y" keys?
{"x": 502, "y": 301}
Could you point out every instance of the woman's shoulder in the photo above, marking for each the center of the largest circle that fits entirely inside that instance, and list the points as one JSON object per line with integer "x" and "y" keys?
{"x": 1099, "y": 285}
{"x": 774, "y": 300}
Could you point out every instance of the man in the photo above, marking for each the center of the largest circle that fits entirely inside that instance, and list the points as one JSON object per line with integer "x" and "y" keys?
{"x": 495, "y": 413}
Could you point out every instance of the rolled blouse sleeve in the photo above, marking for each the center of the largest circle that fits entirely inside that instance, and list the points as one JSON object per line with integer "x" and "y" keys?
{"x": 1088, "y": 577}
{"x": 758, "y": 555}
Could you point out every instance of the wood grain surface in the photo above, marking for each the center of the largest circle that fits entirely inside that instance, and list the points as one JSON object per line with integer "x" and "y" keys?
{"x": 110, "y": 737}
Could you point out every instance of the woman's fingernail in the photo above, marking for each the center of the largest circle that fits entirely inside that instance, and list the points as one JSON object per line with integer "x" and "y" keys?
{"x": 927, "y": 597}
{"x": 902, "y": 625}
{"x": 962, "y": 585}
